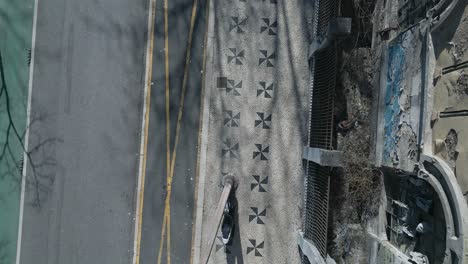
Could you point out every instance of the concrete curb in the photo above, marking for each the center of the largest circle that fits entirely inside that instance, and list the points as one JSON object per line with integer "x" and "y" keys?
{"x": 197, "y": 239}
{"x": 453, "y": 201}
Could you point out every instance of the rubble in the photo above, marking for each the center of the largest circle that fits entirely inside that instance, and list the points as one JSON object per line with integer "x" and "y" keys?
{"x": 360, "y": 183}
{"x": 451, "y": 142}
{"x": 462, "y": 84}
{"x": 400, "y": 62}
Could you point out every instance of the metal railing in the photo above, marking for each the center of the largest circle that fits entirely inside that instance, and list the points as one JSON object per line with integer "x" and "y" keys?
{"x": 322, "y": 85}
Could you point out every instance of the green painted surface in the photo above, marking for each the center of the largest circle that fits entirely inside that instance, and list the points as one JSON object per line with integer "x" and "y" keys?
{"x": 15, "y": 41}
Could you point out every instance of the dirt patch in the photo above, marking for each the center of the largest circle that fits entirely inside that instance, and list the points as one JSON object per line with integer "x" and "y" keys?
{"x": 355, "y": 188}
{"x": 407, "y": 144}
{"x": 451, "y": 142}
{"x": 460, "y": 41}
{"x": 462, "y": 84}
{"x": 456, "y": 85}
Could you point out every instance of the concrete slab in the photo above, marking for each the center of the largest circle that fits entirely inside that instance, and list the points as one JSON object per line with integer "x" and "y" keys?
{"x": 450, "y": 94}
{"x": 311, "y": 252}
{"x": 400, "y": 120}
{"x": 324, "y": 157}
{"x": 254, "y": 127}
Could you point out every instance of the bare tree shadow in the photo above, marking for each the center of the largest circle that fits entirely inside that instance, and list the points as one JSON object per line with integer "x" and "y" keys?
{"x": 39, "y": 180}
{"x": 41, "y": 162}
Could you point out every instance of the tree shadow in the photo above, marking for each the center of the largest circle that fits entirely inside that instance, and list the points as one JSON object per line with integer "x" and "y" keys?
{"x": 39, "y": 181}
{"x": 41, "y": 162}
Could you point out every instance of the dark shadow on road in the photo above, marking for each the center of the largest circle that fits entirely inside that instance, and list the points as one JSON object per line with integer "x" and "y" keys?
{"x": 446, "y": 31}
{"x": 235, "y": 246}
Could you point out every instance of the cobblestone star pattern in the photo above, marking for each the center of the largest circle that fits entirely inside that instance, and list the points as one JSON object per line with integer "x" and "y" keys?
{"x": 255, "y": 247}
{"x": 230, "y": 149}
{"x": 236, "y": 57}
{"x": 257, "y": 215}
{"x": 237, "y": 25}
{"x": 265, "y": 90}
{"x": 262, "y": 152}
{"x": 267, "y": 59}
{"x": 268, "y": 27}
{"x": 260, "y": 183}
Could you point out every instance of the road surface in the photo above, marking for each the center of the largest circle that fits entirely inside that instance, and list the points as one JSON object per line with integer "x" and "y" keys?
{"x": 86, "y": 113}
{"x": 85, "y": 132}
{"x": 182, "y": 16}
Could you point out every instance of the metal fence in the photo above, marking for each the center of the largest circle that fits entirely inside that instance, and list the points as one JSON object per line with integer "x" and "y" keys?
{"x": 326, "y": 10}
{"x": 323, "y": 80}
{"x": 316, "y": 207}
{"x": 323, "y": 94}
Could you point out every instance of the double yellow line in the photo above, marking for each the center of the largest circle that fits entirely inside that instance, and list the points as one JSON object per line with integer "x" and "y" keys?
{"x": 149, "y": 65}
{"x": 170, "y": 159}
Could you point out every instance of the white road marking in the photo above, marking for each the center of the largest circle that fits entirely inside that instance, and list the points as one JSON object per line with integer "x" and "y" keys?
{"x": 26, "y": 139}
{"x": 143, "y": 130}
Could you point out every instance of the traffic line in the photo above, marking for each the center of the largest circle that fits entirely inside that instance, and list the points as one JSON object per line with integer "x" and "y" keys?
{"x": 168, "y": 133}
{"x": 179, "y": 121}
{"x": 166, "y": 228}
{"x": 168, "y": 223}
{"x": 144, "y": 136}
{"x": 184, "y": 85}
{"x": 26, "y": 139}
{"x": 161, "y": 241}
{"x": 167, "y": 89}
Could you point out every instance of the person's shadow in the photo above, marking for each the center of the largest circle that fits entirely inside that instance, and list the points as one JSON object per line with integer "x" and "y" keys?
{"x": 234, "y": 247}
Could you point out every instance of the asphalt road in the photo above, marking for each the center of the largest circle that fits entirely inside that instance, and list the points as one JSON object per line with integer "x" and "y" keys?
{"x": 86, "y": 108}
{"x": 182, "y": 197}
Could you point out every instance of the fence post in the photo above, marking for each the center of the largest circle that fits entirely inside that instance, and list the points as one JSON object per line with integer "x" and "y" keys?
{"x": 218, "y": 216}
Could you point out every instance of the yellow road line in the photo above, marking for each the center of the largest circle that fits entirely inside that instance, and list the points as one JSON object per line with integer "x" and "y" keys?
{"x": 200, "y": 122}
{"x": 179, "y": 120}
{"x": 171, "y": 165}
{"x": 184, "y": 85}
{"x": 168, "y": 248}
{"x": 161, "y": 241}
{"x": 146, "y": 128}
{"x": 166, "y": 64}
{"x": 168, "y": 134}
{"x": 168, "y": 128}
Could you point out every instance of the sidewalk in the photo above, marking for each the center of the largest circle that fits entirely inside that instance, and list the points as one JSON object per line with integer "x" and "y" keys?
{"x": 254, "y": 127}
{"x": 15, "y": 29}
